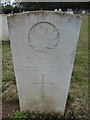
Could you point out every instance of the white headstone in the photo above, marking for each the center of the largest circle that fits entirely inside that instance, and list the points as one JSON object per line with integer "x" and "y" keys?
{"x": 55, "y": 10}
{"x": 83, "y": 12}
{"x": 70, "y": 12}
{"x": 60, "y": 10}
{"x": 43, "y": 47}
{"x": 4, "y": 33}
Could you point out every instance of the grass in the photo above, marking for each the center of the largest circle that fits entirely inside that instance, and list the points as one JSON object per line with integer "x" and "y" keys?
{"x": 7, "y": 71}
{"x": 77, "y": 103}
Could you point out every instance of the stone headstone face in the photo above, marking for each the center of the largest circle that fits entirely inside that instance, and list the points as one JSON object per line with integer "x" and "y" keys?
{"x": 4, "y": 33}
{"x": 43, "y": 47}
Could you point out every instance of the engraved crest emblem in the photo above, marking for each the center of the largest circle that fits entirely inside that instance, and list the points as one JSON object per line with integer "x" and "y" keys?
{"x": 43, "y": 36}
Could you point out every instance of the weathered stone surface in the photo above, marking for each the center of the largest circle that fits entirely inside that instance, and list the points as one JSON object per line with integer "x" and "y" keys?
{"x": 4, "y": 33}
{"x": 43, "y": 47}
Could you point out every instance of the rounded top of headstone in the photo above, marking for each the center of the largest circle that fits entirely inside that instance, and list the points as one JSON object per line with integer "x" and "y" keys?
{"x": 63, "y": 14}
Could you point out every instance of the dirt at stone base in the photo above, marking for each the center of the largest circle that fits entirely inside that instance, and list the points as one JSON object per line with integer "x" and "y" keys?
{"x": 8, "y": 109}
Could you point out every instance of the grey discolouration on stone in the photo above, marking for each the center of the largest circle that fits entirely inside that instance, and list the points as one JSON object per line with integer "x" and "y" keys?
{"x": 43, "y": 47}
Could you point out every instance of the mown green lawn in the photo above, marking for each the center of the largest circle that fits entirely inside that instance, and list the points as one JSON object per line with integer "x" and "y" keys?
{"x": 77, "y": 103}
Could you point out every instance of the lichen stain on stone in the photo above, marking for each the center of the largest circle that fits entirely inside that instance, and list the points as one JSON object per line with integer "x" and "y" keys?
{"x": 78, "y": 17}
{"x": 38, "y": 106}
{"x": 31, "y": 105}
{"x": 49, "y": 105}
{"x": 43, "y": 13}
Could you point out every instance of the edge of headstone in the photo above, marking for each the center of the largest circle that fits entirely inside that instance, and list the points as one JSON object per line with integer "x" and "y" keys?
{"x": 38, "y": 12}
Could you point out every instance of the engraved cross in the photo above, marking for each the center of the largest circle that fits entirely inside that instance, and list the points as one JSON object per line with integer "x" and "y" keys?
{"x": 43, "y": 83}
